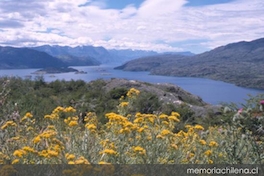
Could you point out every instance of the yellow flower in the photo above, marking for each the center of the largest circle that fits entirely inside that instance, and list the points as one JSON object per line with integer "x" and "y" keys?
{"x": 108, "y": 151}
{"x": 159, "y": 136}
{"x": 190, "y": 131}
{"x": 19, "y": 153}
{"x": 213, "y": 144}
{"x": 210, "y": 161}
{"x": 220, "y": 154}
{"x": 174, "y": 146}
{"x": 138, "y": 120}
{"x": 139, "y": 150}
{"x": 103, "y": 162}
{"x": 163, "y": 116}
{"x": 8, "y": 123}
{"x": 58, "y": 142}
{"x": 124, "y": 104}
{"x": 173, "y": 118}
{"x": 127, "y": 124}
{"x": 73, "y": 123}
{"x": 15, "y": 138}
{"x": 57, "y": 110}
{"x": 30, "y": 128}
{"x": 90, "y": 126}
{"x": 43, "y": 153}
{"x": 53, "y": 153}
{"x": 208, "y": 152}
{"x": 48, "y": 134}
{"x": 203, "y": 142}
{"x": 69, "y": 156}
{"x": 76, "y": 118}
{"x": 151, "y": 119}
{"x": 190, "y": 155}
{"x": 133, "y": 92}
{"x": 29, "y": 115}
{"x": 51, "y": 127}
{"x": 199, "y": 127}
{"x": 165, "y": 122}
{"x": 140, "y": 130}
{"x": 36, "y": 140}
{"x": 28, "y": 149}
{"x": 188, "y": 126}
{"x": 104, "y": 142}
{"x": 69, "y": 109}
{"x": 71, "y": 162}
{"x": 82, "y": 160}
{"x": 57, "y": 148}
{"x": 176, "y": 114}
{"x": 15, "y": 161}
{"x": 52, "y": 116}
{"x": 125, "y": 130}
{"x": 165, "y": 132}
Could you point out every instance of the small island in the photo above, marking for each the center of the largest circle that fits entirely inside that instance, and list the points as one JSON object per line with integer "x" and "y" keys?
{"x": 55, "y": 70}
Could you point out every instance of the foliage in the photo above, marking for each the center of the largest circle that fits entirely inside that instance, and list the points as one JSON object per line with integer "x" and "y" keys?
{"x": 126, "y": 138}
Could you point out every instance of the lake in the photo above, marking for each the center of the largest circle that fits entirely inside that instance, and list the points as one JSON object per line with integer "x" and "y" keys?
{"x": 210, "y": 91}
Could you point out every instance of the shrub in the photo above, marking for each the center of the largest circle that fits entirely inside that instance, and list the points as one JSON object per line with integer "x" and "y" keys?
{"x": 126, "y": 138}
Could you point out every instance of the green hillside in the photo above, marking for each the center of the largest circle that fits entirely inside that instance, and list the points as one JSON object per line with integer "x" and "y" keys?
{"x": 239, "y": 63}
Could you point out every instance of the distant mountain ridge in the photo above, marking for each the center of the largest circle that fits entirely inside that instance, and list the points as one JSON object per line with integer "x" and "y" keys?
{"x": 63, "y": 56}
{"x": 240, "y": 63}
{"x": 78, "y": 54}
{"x": 99, "y": 54}
{"x": 11, "y": 57}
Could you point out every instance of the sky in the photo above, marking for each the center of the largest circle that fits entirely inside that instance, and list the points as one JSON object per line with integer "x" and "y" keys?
{"x": 158, "y": 25}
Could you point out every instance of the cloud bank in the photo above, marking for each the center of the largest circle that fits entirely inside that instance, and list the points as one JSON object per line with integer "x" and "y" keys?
{"x": 160, "y": 25}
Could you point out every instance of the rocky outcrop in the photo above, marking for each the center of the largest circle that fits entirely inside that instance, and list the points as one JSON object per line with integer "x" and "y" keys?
{"x": 168, "y": 94}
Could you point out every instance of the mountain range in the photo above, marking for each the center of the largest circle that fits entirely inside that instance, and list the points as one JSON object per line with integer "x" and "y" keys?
{"x": 97, "y": 55}
{"x": 240, "y": 63}
{"x": 11, "y": 58}
{"x": 63, "y": 56}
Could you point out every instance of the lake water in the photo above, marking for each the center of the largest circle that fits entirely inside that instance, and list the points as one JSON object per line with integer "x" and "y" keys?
{"x": 210, "y": 91}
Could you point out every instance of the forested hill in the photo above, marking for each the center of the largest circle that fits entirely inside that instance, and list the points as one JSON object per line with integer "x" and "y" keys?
{"x": 240, "y": 63}
{"x": 11, "y": 57}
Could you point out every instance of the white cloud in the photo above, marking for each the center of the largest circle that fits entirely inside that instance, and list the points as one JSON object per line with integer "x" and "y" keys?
{"x": 153, "y": 26}
{"x": 154, "y": 8}
{"x": 128, "y": 11}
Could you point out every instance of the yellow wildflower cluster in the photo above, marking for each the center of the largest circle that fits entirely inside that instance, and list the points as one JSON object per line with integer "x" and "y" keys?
{"x": 108, "y": 151}
{"x": 19, "y": 153}
{"x": 69, "y": 157}
{"x": 8, "y": 124}
{"x": 28, "y": 115}
{"x": 139, "y": 150}
{"x": 91, "y": 122}
{"x": 58, "y": 110}
{"x": 52, "y": 116}
{"x": 143, "y": 128}
{"x": 133, "y": 92}
{"x": 81, "y": 160}
{"x": 124, "y": 104}
{"x": 72, "y": 121}
{"x": 127, "y": 138}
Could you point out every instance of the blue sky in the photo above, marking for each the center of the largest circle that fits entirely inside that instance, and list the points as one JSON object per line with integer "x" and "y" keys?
{"x": 159, "y": 25}
{"x": 120, "y": 4}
